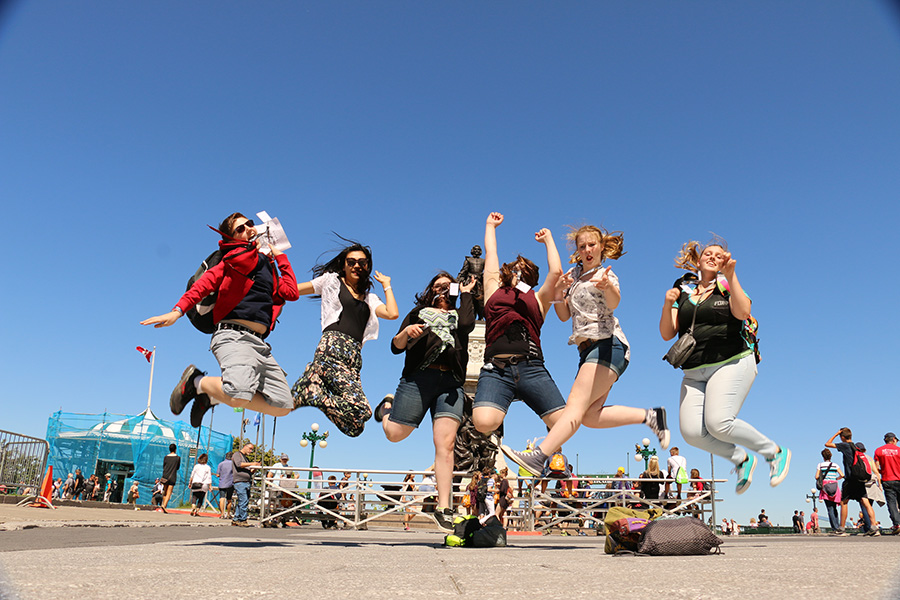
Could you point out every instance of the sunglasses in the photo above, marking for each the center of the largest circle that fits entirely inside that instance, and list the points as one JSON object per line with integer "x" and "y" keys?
{"x": 352, "y": 262}
{"x": 242, "y": 227}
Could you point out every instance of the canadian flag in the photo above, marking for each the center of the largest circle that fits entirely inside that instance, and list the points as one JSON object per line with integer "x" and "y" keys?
{"x": 147, "y": 353}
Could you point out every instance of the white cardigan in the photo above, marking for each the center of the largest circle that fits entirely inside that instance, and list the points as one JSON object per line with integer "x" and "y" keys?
{"x": 329, "y": 287}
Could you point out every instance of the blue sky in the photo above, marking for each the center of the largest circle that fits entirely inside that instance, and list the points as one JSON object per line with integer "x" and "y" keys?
{"x": 126, "y": 128}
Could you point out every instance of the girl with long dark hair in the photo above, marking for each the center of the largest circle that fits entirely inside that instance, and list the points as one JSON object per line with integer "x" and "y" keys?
{"x": 350, "y": 313}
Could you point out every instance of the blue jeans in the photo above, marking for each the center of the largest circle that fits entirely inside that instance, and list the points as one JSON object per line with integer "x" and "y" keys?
{"x": 427, "y": 390}
{"x": 242, "y": 489}
{"x": 711, "y": 398}
{"x": 891, "y": 497}
{"x": 833, "y": 516}
{"x": 529, "y": 381}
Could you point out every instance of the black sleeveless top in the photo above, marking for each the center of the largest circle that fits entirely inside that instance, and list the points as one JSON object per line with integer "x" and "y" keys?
{"x": 354, "y": 315}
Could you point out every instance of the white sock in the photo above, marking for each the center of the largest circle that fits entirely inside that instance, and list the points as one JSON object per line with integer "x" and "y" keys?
{"x": 197, "y": 380}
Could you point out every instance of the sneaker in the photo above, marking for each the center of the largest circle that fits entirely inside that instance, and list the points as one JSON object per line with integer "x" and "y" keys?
{"x": 873, "y": 532}
{"x": 745, "y": 474}
{"x": 533, "y": 461}
{"x": 185, "y": 391}
{"x": 656, "y": 420}
{"x": 380, "y": 410}
{"x": 843, "y": 533}
{"x": 199, "y": 408}
{"x": 444, "y": 518}
{"x": 894, "y": 530}
{"x": 778, "y": 466}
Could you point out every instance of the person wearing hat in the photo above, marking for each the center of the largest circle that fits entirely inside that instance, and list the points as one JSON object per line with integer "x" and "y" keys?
{"x": 873, "y": 488}
{"x": 888, "y": 459}
{"x": 279, "y": 476}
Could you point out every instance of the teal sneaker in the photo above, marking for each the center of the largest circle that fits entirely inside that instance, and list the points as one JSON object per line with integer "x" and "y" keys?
{"x": 778, "y": 466}
{"x": 745, "y": 474}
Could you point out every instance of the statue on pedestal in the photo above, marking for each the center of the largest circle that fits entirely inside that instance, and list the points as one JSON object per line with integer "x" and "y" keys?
{"x": 474, "y": 267}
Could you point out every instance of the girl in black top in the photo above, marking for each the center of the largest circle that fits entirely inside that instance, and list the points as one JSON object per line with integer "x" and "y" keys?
{"x": 721, "y": 368}
{"x": 350, "y": 313}
{"x": 435, "y": 338}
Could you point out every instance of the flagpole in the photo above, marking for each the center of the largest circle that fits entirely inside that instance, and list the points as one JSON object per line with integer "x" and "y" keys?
{"x": 152, "y": 363}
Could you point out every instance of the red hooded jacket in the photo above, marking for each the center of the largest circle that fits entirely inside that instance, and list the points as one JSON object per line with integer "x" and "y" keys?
{"x": 230, "y": 279}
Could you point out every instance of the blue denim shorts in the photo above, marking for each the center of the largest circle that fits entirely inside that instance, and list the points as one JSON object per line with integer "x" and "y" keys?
{"x": 428, "y": 390}
{"x": 609, "y": 353}
{"x": 528, "y": 381}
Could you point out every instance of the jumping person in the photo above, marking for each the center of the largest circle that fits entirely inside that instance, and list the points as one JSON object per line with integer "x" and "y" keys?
{"x": 350, "y": 313}
{"x": 721, "y": 368}
{"x": 588, "y": 294}
{"x": 514, "y": 313}
{"x": 252, "y": 288}
{"x": 435, "y": 337}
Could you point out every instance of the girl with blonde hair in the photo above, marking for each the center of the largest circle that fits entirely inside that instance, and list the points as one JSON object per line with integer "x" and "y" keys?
{"x": 588, "y": 294}
{"x": 721, "y": 367}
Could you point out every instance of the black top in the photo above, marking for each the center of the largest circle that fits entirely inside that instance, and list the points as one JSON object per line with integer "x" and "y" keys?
{"x": 354, "y": 315}
{"x": 650, "y": 489}
{"x": 419, "y": 349}
{"x": 717, "y": 332}
{"x": 256, "y": 306}
{"x": 171, "y": 465}
{"x": 848, "y": 450}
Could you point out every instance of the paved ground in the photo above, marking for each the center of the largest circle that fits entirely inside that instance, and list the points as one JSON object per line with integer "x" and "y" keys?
{"x": 116, "y": 554}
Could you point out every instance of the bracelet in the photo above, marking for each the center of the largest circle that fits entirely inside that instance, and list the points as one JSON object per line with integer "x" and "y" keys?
{"x": 179, "y": 310}
{"x": 387, "y": 289}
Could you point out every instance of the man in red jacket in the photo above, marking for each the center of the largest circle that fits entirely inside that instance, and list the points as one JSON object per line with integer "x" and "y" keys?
{"x": 251, "y": 292}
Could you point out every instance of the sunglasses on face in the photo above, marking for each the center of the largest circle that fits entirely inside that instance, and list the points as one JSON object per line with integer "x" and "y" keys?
{"x": 242, "y": 227}
{"x": 362, "y": 262}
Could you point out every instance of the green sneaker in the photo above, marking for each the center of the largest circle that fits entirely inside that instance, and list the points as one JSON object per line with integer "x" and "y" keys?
{"x": 745, "y": 474}
{"x": 778, "y": 466}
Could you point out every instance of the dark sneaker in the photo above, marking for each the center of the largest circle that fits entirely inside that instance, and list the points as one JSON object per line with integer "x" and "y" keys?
{"x": 199, "y": 408}
{"x": 873, "y": 532}
{"x": 381, "y": 411}
{"x": 185, "y": 391}
{"x": 444, "y": 518}
{"x": 533, "y": 461}
{"x": 656, "y": 420}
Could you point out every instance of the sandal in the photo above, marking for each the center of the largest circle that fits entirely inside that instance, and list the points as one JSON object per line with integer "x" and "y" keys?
{"x": 380, "y": 410}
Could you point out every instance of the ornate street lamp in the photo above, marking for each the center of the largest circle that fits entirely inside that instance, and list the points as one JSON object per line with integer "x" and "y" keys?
{"x": 644, "y": 453}
{"x": 812, "y": 495}
{"x": 311, "y": 437}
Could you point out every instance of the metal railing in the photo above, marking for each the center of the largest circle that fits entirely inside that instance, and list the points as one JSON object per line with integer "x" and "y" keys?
{"x": 23, "y": 463}
{"x": 289, "y": 493}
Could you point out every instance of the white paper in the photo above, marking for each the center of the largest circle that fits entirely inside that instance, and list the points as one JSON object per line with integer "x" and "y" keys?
{"x": 271, "y": 233}
{"x": 454, "y": 289}
{"x": 523, "y": 287}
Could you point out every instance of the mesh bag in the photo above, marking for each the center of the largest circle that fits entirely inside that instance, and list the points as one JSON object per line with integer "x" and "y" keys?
{"x": 678, "y": 537}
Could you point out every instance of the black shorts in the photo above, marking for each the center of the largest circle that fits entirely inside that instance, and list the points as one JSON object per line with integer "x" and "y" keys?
{"x": 226, "y": 493}
{"x": 852, "y": 489}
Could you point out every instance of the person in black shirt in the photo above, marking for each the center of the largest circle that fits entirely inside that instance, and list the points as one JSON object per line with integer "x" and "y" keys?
{"x": 852, "y": 488}
{"x": 435, "y": 338}
{"x": 171, "y": 465}
{"x": 721, "y": 367}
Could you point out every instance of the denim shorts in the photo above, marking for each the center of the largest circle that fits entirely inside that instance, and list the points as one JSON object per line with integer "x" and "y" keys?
{"x": 609, "y": 353}
{"x": 528, "y": 381}
{"x": 427, "y": 390}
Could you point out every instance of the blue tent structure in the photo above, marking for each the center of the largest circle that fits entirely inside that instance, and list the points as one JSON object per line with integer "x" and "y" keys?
{"x": 130, "y": 448}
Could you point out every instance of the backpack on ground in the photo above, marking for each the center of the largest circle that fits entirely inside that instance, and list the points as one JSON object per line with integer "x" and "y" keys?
{"x": 557, "y": 467}
{"x": 614, "y": 528}
{"x": 679, "y": 536}
{"x": 859, "y": 468}
{"x": 201, "y": 314}
{"x": 468, "y": 531}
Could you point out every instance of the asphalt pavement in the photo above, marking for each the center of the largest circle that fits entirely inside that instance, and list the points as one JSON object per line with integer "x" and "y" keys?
{"x": 107, "y": 553}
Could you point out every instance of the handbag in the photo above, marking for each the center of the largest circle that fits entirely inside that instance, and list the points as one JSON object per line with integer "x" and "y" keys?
{"x": 196, "y": 486}
{"x": 684, "y": 345}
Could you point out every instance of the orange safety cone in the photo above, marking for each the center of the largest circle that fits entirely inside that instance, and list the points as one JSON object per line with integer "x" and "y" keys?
{"x": 43, "y": 501}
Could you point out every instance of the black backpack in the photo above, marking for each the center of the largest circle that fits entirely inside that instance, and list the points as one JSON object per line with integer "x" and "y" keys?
{"x": 481, "y": 490}
{"x": 201, "y": 314}
{"x": 859, "y": 468}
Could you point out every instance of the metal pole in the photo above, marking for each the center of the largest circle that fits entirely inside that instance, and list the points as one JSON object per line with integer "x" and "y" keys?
{"x": 312, "y": 455}
{"x": 712, "y": 486}
{"x": 152, "y": 363}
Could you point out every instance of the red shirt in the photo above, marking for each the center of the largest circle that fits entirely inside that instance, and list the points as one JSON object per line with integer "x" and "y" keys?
{"x": 888, "y": 458}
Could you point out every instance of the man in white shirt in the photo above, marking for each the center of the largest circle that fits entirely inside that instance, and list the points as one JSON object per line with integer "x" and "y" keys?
{"x": 676, "y": 462}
